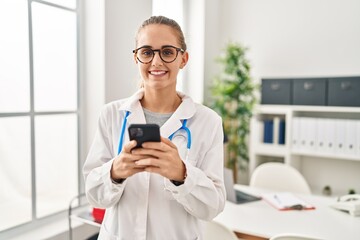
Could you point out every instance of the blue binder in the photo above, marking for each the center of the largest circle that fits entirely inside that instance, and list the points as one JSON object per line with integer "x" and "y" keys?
{"x": 282, "y": 131}
{"x": 268, "y": 131}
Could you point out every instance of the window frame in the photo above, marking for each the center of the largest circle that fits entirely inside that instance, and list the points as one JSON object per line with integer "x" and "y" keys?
{"x": 35, "y": 221}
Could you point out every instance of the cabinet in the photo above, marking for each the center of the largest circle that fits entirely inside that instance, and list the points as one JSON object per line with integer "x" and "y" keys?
{"x": 322, "y": 142}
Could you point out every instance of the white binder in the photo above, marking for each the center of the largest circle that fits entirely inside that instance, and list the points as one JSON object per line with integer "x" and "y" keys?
{"x": 295, "y": 138}
{"x": 307, "y": 134}
{"x": 276, "y": 130}
{"x": 329, "y": 135}
{"x": 311, "y": 130}
{"x": 340, "y": 136}
{"x": 357, "y": 150}
{"x": 350, "y": 136}
{"x": 321, "y": 135}
{"x": 303, "y": 136}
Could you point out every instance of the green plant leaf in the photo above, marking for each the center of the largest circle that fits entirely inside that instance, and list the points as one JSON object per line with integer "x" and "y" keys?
{"x": 233, "y": 96}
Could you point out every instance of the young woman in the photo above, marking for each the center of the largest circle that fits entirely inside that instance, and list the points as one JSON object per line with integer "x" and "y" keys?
{"x": 163, "y": 189}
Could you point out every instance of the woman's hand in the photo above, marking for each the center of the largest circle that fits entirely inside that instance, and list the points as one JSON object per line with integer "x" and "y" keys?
{"x": 124, "y": 164}
{"x": 163, "y": 158}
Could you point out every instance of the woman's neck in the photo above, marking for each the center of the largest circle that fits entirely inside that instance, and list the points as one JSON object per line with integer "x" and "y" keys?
{"x": 160, "y": 102}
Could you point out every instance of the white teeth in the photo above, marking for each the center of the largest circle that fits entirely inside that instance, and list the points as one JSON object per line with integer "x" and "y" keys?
{"x": 158, "y": 72}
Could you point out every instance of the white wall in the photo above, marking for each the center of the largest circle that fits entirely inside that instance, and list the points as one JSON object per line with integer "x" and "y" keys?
{"x": 193, "y": 80}
{"x": 121, "y": 23}
{"x": 294, "y": 38}
{"x": 212, "y": 46}
{"x": 108, "y": 71}
{"x": 286, "y": 38}
{"x": 92, "y": 70}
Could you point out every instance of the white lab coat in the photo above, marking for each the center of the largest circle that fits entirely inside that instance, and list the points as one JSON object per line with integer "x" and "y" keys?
{"x": 147, "y": 205}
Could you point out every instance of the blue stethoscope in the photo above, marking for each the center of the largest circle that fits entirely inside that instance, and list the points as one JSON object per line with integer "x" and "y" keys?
{"x": 183, "y": 127}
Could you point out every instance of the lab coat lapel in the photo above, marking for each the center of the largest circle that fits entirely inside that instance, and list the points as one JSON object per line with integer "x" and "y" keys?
{"x": 185, "y": 111}
{"x": 136, "y": 114}
{"x": 134, "y": 107}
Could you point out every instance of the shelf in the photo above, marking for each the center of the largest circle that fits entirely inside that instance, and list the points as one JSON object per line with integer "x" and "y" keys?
{"x": 272, "y": 109}
{"x": 327, "y": 155}
{"x": 271, "y": 150}
{"x": 86, "y": 217}
{"x": 338, "y": 169}
{"x": 277, "y": 109}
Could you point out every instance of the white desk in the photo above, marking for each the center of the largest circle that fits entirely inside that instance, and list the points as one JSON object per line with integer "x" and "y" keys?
{"x": 262, "y": 220}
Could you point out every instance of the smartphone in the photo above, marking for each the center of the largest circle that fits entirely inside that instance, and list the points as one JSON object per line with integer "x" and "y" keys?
{"x": 144, "y": 133}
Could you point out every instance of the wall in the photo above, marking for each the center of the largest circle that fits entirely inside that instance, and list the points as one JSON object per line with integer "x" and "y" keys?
{"x": 212, "y": 46}
{"x": 108, "y": 71}
{"x": 285, "y": 38}
{"x": 193, "y": 73}
{"x": 290, "y": 38}
{"x": 293, "y": 38}
{"x": 121, "y": 23}
{"x": 92, "y": 69}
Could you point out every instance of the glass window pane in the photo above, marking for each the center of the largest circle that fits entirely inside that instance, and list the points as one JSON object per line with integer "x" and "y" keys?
{"x": 56, "y": 162}
{"x": 14, "y": 57}
{"x": 55, "y": 62}
{"x": 15, "y": 171}
{"x": 64, "y": 3}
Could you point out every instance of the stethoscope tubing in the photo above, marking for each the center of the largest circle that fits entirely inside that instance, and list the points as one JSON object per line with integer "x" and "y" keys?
{"x": 123, "y": 132}
{"x": 187, "y": 130}
{"x": 183, "y": 127}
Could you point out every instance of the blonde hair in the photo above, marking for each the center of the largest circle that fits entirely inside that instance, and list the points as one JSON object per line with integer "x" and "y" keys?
{"x": 165, "y": 21}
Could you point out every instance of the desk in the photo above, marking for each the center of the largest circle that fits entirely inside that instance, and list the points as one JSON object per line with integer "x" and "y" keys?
{"x": 81, "y": 212}
{"x": 262, "y": 220}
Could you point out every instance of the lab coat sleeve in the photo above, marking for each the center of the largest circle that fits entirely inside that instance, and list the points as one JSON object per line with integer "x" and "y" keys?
{"x": 100, "y": 190}
{"x": 203, "y": 193}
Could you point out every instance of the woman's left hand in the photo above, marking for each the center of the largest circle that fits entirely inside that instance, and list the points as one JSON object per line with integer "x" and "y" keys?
{"x": 164, "y": 160}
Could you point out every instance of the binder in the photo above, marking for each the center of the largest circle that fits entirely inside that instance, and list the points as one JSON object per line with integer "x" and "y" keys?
{"x": 268, "y": 130}
{"x": 295, "y": 138}
{"x": 321, "y": 135}
{"x": 276, "y": 130}
{"x": 340, "y": 135}
{"x": 282, "y": 131}
{"x": 329, "y": 125}
{"x": 302, "y": 134}
{"x": 357, "y": 150}
{"x": 308, "y": 132}
{"x": 286, "y": 201}
{"x": 350, "y": 137}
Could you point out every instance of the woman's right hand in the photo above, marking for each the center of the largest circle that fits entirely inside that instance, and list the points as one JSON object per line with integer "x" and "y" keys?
{"x": 124, "y": 164}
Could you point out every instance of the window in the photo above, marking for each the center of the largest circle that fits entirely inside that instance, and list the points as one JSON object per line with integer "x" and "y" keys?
{"x": 39, "y": 111}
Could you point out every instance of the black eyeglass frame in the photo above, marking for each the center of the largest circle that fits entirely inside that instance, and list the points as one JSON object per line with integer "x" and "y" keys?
{"x": 158, "y": 50}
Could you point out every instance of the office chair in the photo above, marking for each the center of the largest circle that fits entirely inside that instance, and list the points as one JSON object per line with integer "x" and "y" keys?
{"x": 216, "y": 231}
{"x": 279, "y": 177}
{"x": 290, "y": 236}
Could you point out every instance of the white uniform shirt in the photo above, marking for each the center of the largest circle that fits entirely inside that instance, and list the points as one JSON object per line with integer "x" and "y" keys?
{"x": 147, "y": 205}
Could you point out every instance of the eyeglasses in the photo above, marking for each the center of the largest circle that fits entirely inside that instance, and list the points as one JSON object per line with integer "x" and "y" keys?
{"x": 167, "y": 54}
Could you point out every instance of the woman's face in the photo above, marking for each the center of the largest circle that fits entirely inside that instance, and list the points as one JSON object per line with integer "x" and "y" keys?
{"x": 158, "y": 74}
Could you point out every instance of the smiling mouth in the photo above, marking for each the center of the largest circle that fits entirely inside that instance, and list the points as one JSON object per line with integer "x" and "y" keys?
{"x": 157, "y": 73}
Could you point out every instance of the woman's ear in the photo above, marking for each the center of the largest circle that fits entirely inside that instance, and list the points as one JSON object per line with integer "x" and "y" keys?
{"x": 135, "y": 59}
{"x": 184, "y": 59}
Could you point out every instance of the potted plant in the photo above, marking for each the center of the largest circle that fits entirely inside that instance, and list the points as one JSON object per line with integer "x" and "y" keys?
{"x": 233, "y": 95}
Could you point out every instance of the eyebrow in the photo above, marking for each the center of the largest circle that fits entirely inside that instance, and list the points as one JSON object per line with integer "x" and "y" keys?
{"x": 163, "y": 46}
